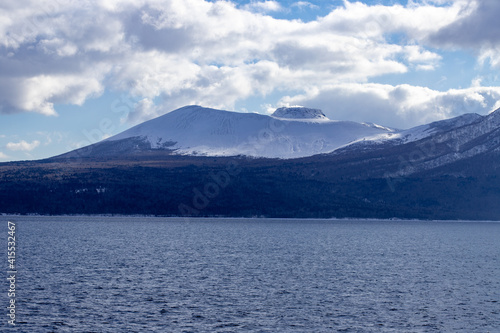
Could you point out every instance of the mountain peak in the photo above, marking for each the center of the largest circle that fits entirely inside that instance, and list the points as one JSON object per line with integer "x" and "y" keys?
{"x": 459, "y": 121}
{"x": 194, "y": 130}
{"x": 299, "y": 112}
{"x": 291, "y": 132}
{"x": 495, "y": 113}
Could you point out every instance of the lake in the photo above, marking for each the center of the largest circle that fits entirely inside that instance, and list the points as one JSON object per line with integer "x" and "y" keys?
{"x": 146, "y": 274}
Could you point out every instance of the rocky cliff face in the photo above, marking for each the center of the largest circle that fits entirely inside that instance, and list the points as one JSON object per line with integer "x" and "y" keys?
{"x": 299, "y": 112}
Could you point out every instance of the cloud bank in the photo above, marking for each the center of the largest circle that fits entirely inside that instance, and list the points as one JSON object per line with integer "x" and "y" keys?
{"x": 217, "y": 53}
{"x": 22, "y": 145}
{"x": 400, "y": 106}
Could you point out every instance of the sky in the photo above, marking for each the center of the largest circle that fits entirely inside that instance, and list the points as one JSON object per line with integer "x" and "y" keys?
{"x": 75, "y": 72}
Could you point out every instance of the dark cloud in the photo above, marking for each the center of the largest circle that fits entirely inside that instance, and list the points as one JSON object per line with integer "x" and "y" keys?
{"x": 481, "y": 28}
{"x": 294, "y": 55}
{"x": 151, "y": 37}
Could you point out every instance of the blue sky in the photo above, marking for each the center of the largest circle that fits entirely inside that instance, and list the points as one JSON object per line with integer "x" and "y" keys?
{"x": 73, "y": 73}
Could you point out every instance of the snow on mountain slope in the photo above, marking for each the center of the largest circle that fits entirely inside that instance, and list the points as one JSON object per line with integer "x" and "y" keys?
{"x": 195, "y": 130}
{"x": 451, "y": 141}
{"x": 424, "y": 131}
{"x": 420, "y": 132}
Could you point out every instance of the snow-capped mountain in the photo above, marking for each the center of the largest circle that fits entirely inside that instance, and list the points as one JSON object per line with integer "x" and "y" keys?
{"x": 444, "y": 170}
{"x": 288, "y": 133}
{"x": 461, "y": 139}
{"x": 467, "y": 139}
{"x": 424, "y": 131}
{"x": 293, "y": 132}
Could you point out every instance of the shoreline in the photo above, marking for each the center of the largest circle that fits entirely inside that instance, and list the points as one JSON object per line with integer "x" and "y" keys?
{"x": 333, "y": 219}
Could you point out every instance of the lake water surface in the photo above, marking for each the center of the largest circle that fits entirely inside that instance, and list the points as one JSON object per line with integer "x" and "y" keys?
{"x": 140, "y": 274}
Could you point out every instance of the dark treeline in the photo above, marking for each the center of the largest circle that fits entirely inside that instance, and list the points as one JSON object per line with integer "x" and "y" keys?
{"x": 240, "y": 187}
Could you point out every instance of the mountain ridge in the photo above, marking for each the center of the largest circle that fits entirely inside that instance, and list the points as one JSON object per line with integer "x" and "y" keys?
{"x": 444, "y": 170}
{"x": 199, "y": 131}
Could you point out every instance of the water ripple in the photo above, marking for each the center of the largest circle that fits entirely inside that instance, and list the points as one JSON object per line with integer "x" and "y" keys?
{"x": 109, "y": 274}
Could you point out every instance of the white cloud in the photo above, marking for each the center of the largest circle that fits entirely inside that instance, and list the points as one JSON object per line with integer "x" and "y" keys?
{"x": 144, "y": 110}
{"x": 210, "y": 53}
{"x": 423, "y": 59}
{"x": 401, "y": 106}
{"x": 425, "y": 67}
{"x": 416, "y": 21}
{"x": 3, "y": 156}
{"x": 22, "y": 145}
{"x": 39, "y": 93}
{"x": 51, "y": 137}
{"x": 304, "y": 4}
{"x": 263, "y": 6}
{"x": 57, "y": 46}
